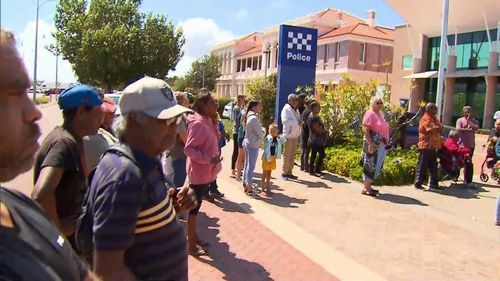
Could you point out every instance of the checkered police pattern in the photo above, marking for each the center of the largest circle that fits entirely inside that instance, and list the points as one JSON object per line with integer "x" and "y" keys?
{"x": 299, "y": 41}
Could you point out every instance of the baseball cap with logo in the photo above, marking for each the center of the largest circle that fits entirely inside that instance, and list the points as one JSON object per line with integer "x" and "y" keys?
{"x": 79, "y": 95}
{"x": 151, "y": 96}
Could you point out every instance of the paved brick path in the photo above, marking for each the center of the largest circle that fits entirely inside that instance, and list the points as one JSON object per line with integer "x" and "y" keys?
{"x": 241, "y": 248}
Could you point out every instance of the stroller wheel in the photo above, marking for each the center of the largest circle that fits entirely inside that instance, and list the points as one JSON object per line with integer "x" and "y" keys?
{"x": 484, "y": 177}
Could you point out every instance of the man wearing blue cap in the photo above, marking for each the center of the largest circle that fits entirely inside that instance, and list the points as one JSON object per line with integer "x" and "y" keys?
{"x": 60, "y": 169}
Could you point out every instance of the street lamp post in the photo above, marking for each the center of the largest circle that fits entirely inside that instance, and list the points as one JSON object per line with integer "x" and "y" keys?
{"x": 36, "y": 50}
{"x": 38, "y": 5}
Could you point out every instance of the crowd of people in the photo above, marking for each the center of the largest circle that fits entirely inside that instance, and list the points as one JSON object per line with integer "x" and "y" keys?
{"x": 109, "y": 194}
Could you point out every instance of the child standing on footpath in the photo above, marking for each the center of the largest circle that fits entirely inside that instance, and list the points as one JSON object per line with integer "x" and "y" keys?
{"x": 272, "y": 150}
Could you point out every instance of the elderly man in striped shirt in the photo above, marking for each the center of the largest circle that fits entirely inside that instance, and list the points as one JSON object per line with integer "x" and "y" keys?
{"x": 135, "y": 229}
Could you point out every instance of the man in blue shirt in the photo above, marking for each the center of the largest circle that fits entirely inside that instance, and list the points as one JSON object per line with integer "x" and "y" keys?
{"x": 136, "y": 232}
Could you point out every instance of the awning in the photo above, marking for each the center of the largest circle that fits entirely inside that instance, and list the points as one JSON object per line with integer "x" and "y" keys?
{"x": 422, "y": 75}
{"x": 467, "y": 73}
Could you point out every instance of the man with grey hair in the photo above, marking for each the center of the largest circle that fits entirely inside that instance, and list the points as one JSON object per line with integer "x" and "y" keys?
{"x": 136, "y": 235}
{"x": 292, "y": 125}
{"x": 468, "y": 126}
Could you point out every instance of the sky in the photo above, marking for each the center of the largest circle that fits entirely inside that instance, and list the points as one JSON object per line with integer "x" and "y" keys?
{"x": 204, "y": 22}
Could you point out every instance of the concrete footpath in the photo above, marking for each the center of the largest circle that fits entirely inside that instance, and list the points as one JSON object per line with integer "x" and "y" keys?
{"x": 404, "y": 234}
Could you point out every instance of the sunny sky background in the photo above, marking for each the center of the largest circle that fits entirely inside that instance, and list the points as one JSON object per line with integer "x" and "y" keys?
{"x": 205, "y": 23}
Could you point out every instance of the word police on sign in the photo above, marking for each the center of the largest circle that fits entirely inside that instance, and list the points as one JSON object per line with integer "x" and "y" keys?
{"x": 298, "y": 42}
{"x": 296, "y": 62}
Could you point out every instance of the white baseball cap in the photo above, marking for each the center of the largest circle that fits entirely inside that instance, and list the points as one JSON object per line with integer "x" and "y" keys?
{"x": 496, "y": 115}
{"x": 151, "y": 96}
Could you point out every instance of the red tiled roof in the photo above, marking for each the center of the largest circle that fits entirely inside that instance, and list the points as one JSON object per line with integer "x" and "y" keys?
{"x": 255, "y": 39}
{"x": 362, "y": 29}
{"x": 331, "y": 14}
{"x": 256, "y": 49}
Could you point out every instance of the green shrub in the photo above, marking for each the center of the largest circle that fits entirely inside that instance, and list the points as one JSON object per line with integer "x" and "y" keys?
{"x": 228, "y": 126}
{"x": 42, "y": 99}
{"x": 343, "y": 106}
{"x": 265, "y": 92}
{"x": 399, "y": 165}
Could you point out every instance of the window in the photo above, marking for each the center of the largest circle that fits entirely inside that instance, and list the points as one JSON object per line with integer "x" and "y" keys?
{"x": 238, "y": 65}
{"x": 472, "y": 49}
{"x": 337, "y": 52}
{"x": 362, "y": 53}
{"x": 260, "y": 62}
{"x": 249, "y": 62}
{"x": 255, "y": 63}
{"x": 243, "y": 65}
{"x": 407, "y": 62}
{"x": 321, "y": 53}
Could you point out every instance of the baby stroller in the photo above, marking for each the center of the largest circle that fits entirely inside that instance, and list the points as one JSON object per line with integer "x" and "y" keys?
{"x": 490, "y": 161}
{"x": 452, "y": 158}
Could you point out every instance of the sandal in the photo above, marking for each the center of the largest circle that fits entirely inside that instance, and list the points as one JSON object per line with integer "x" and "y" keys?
{"x": 198, "y": 251}
{"x": 369, "y": 193}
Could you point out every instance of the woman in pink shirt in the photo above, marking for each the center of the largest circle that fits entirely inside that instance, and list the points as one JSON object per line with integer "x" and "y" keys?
{"x": 376, "y": 139}
{"x": 203, "y": 159}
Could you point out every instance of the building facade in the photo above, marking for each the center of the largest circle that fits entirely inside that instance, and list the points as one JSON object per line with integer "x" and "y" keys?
{"x": 346, "y": 44}
{"x": 472, "y": 57}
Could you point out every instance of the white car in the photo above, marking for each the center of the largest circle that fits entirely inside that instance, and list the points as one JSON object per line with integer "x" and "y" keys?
{"x": 115, "y": 98}
{"x": 228, "y": 110}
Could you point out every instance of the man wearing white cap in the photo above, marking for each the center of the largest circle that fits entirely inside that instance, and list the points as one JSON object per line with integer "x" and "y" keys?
{"x": 136, "y": 235}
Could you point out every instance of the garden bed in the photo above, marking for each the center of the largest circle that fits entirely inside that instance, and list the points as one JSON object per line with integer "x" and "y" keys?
{"x": 399, "y": 165}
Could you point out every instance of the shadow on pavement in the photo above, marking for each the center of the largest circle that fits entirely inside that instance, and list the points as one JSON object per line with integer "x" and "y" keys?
{"x": 223, "y": 259}
{"x": 457, "y": 190}
{"x": 488, "y": 185}
{"x": 400, "y": 199}
{"x": 317, "y": 184}
{"x": 230, "y": 206}
{"x": 334, "y": 178}
{"x": 282, "y": 200}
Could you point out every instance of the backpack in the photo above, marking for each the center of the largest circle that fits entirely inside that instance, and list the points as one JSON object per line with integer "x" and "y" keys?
{"x": 84, "y": 224}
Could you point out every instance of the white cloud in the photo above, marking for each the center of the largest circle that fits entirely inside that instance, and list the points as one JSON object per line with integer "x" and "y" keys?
{"x": 201, "y": 35}
{"x": 241, "y": 14}
{"x": 46, "y": 66}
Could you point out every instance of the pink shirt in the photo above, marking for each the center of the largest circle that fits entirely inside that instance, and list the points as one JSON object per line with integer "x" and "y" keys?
{"x": 376, "y": 123}
{"x": 202, "y": 145}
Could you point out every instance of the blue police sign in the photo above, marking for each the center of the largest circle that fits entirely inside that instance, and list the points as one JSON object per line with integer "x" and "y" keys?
{"x": 296, "y": 62}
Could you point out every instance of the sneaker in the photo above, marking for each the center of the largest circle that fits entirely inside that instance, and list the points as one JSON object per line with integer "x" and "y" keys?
{"x": 419, "y": 186}
{"x": 284, "y": 177}
{"x": 290, "y": 176}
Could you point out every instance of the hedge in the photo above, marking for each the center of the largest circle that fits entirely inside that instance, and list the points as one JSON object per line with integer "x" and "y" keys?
{"x": 399, "y": 165}
{"x": 42, "y": 99}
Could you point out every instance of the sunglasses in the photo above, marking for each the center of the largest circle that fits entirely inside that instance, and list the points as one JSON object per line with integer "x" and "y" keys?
{"x": 379, "y": 102}
{"x": 176, "y": 120}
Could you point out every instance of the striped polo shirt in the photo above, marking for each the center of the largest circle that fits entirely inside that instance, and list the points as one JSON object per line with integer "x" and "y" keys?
{"x": 143, "y": 224}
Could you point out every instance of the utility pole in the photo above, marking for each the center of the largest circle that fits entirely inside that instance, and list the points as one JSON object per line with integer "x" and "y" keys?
{"x": 36, "y": 51}
{"x": 442, "y": 58}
